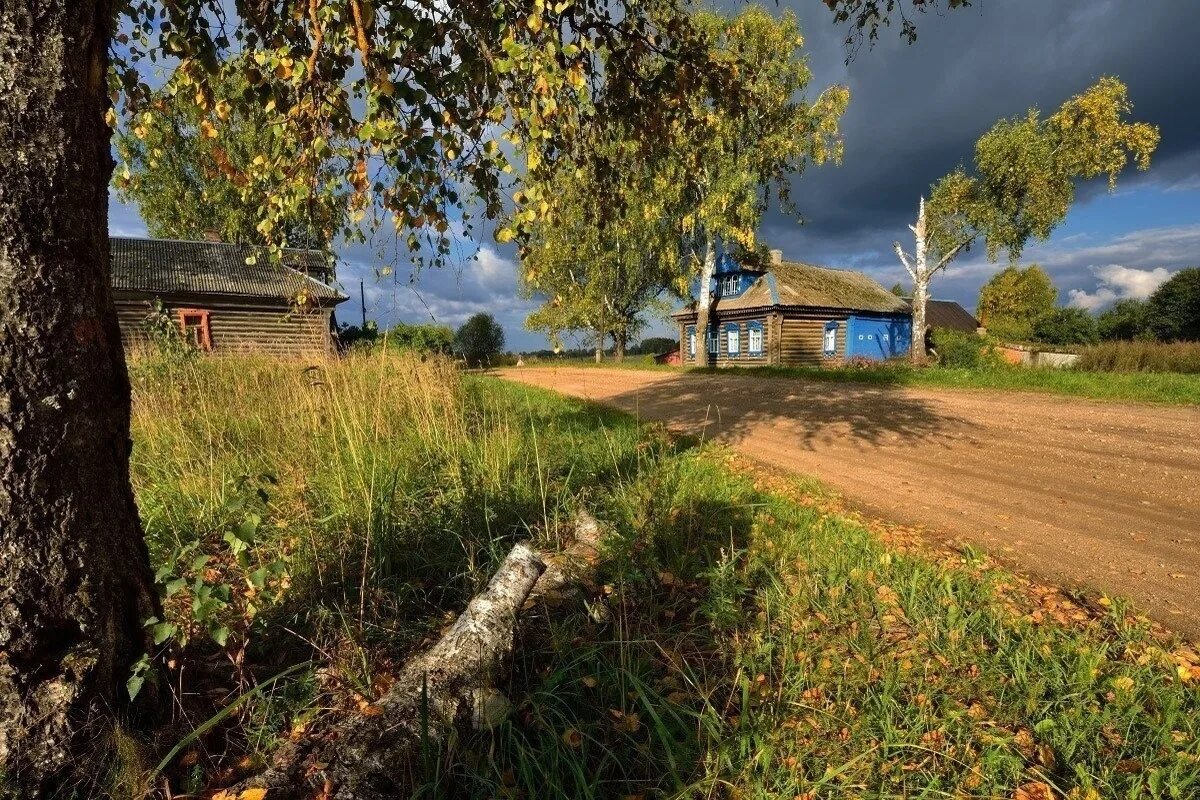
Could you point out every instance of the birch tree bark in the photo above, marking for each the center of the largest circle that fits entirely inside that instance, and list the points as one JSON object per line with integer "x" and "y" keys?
{"x": 917, "y": 266}
{"x": 75, "y": 582}
{"x": 704, "y": 307}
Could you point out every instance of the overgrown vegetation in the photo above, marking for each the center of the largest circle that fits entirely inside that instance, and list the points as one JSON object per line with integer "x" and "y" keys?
{"x": 961, "y": 350}
{"x": 1142, "y": 356}
{"x": 745, "y": 637}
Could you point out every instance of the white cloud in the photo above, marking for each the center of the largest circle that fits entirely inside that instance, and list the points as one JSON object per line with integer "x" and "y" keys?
{"x": 1117, "y": 282}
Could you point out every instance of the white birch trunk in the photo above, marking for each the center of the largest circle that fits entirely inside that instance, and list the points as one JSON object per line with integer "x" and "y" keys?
{"x": 705, "y": 303}
{"x": 919, "y": 271}
{"x": 440, "y": 694}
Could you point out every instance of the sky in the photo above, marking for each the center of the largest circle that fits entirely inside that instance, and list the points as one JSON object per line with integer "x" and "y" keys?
{"x": 915, "y": 113}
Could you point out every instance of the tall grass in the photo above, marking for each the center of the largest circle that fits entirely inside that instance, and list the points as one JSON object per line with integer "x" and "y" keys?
{"x": 340, "y": 511}
{"x": 1142, "y": 357}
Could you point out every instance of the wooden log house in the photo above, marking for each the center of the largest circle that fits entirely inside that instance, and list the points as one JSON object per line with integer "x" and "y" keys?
{"x": 793, "y": 314}
{"x": 222, "y": 303}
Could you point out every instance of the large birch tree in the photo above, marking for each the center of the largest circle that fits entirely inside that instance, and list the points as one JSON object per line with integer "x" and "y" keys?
{"x": 608, "y": 247}
{"x": 731, "y": 165}
{"x": 406, "y": 94}
{"x": 1022, "y": 184}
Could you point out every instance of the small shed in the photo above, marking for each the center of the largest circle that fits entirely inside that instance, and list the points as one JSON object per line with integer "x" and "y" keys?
{"x": 795, "y": 314}
{"x": 670, "y": 358}
{"x": 220, "y": 301}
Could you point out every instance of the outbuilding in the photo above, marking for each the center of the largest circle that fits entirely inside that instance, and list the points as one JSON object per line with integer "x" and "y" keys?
{"x": 225, "y": 297}
{"x": 793, "y": 314}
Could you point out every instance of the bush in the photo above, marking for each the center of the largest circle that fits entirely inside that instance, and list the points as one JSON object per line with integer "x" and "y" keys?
{"x": 421, "y": 338}
{"x": 963, "y": 350}
{"x": 1175, "y": 307}
{"x": 1142, "y": 356}
{"x": 654, "y": 345}
{"x": 1125, "y": 320}
{"x": 1009, "y": 329}
{"x": 479, "y": 340}
{"x": 1065, "y": 326}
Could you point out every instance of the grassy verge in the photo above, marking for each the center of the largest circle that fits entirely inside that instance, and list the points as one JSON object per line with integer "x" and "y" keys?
{"x": 745, "y": 637}
{"x": 1169, "y": 388}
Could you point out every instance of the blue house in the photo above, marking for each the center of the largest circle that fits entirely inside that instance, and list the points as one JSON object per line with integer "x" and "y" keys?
{"x": 790, "y": 313}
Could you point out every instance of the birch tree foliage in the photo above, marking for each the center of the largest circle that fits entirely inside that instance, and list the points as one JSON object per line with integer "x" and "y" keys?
{"x": 732, "y": 165}
{"x": 190, "y": 171}
{"x": 415, "y": 100}
{"x": 1022, "y": 183}
{"x": 602, "y": 270}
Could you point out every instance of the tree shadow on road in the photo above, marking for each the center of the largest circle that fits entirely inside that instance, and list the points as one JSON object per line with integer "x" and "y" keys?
{"x": 807, "y": 413}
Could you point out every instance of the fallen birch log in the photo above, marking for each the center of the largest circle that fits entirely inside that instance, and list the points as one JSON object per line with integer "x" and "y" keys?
{"x": 449, "y": 687}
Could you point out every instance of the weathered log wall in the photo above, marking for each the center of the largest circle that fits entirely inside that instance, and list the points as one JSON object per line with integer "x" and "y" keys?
{"x": 239, "y": 326}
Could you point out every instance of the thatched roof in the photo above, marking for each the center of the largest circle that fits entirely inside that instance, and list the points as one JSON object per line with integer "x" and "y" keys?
{"x": 794, "y": 284}
{"x": 166, "y": 266}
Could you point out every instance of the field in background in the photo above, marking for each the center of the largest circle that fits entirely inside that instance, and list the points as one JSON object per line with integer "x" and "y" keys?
{"x": 1144, "y": 387}
{"x": 745, "y": 638}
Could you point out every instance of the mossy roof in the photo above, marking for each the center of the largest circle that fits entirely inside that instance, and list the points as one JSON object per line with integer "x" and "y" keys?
{"x": 793, "y": 283}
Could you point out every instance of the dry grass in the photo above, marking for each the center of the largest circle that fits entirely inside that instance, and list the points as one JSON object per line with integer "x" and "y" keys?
{"x": 1181, "y": 357}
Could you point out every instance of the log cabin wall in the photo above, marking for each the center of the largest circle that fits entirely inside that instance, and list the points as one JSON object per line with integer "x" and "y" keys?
{"x": 762, "y": 317}
{"x": 802, "y": 339}
{"x": 237, "y": 326}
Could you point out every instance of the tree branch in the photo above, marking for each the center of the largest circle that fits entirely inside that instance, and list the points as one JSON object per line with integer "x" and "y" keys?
{"x": 953, "y": 253}
{"x": 905, "y": 259}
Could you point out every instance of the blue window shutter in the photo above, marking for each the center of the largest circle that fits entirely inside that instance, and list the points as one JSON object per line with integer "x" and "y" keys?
{"x": 755, "y": 337}
{"x": 830, "y": 343}
{"x": 733, "y": 339}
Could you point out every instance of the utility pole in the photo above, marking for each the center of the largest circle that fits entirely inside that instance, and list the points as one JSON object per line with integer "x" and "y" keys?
{"x": 362, "y": 298}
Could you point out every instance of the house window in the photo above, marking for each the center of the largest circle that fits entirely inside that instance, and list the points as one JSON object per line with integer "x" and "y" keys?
{"x": 691, "y": 342}
{"x": 194, "y": 325}
{"x": 831, "y": 339}
{"x": 733, "y": 340}
{"x": 730, "y": 284}
{"x": 755, "y": 331}
{"x": 713, "y": 338}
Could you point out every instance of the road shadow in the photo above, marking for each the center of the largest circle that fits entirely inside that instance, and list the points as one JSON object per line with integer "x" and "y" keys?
{"x": 810, "y": 414}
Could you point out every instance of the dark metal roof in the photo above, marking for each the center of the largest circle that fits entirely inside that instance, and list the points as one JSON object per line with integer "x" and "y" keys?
{"x": 167, "y": 265}
{"x": 947, "y": 314}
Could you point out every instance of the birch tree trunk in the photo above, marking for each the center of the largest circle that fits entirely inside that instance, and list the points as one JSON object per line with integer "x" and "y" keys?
{"x": 440, "y": 694}
{"x": 919, "y": 271}
{"x": 75, "y": 582}
{"x": 704, "y": 306}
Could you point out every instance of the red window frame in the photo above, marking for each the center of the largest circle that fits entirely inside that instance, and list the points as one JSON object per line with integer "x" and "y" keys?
{"x": 197, "y": 319}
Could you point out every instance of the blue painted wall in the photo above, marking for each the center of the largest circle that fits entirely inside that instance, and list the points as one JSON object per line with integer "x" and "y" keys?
{"x": 878, "y": 338}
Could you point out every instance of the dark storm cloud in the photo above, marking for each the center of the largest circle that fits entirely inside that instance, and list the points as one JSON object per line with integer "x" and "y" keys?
{"x": 917, "y": 110}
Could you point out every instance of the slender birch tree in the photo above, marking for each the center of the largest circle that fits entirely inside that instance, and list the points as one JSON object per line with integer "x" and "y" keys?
{"x": 731, "y": 165}
{"x": 1022, "y": 184}
{"x": 607, "y": 248}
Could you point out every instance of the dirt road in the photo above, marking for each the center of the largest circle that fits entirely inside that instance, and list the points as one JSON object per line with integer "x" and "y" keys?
{"x": 1081, "y": 492}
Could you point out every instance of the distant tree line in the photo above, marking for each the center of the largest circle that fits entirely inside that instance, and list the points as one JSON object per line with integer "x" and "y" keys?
{"x": 1020, "y": 305}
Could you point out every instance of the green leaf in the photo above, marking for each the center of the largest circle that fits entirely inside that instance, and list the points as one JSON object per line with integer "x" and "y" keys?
{"x": 258, "y": 578}
{"x": 220, "y": 635}
{"x": 163, "y": 631}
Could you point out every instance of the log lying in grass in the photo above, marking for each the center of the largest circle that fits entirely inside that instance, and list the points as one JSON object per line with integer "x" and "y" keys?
{"x": 447, "y": 688}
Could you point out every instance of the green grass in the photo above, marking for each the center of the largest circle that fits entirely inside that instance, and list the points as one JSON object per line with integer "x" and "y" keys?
{"x": 1170, "y": 388}
{"x": 742, "y": 638}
